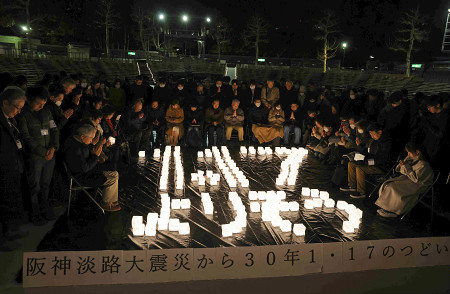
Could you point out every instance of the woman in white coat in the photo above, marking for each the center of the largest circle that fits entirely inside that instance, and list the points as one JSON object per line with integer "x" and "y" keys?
{"x": 398, "y": 194}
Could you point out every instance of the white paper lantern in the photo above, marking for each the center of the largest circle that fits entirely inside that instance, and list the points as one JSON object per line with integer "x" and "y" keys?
{"x": 137, "y": 220}
{"x": 299, "y": 229}
{"x": 255, "y": 207}
{"x": 141, "y": 154}
{"x": 294, "y": 206}
{"x": 174, "y": 225}
{"x": 176, "y": 204}
{"x": 245, "y": 183}
{"x": 253, "y": 195}
{"x": 277, "y": 221}
{"x": 184, "y": 229}
{"x": 152, "y": 217}
{"x": 163, "y": 224}
{"x": 329, "y": 203}
{"x": 309, "y": 204}
{"x": 262, "y": 195}
{"x": 284, "y": 206}
{"x": 150, "y": 230}
{"x": 348, "y": 227}
{"x": 235, "y": 227}
{"x": 281, "y": 195}
{"x": 209, "y": 209}
{"x": 209, "y": 173}
{"x": 138, "y": 230}
{"x": 324, "y": 195}
{"x": 194, "y": 177}
{"x": 286, "y": 226}
{"x": 314, "y": 193}
{"x": 226, "y": 230}
{"x": 280, "y": 181}
{"x": 185, "y": 203}
{"x": 201, "y": 181}
{"x": 317, "y": 202}
{"x": 342, "y": 205}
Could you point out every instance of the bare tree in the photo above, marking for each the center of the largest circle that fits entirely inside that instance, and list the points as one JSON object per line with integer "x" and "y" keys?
{"x": 108, "y": 18}
{"x": 256, "y": 33}
{"x": 139, "y": 15}
{"x": 411, "y": 30}
{"x": 221, "y": 34}
{"x": 325, "y": 27}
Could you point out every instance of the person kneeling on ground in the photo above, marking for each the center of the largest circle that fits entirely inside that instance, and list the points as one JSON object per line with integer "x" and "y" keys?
{"x": 83, "y": 165}
{"x": 398, "y": 194}
{"x": 376, "y": 159}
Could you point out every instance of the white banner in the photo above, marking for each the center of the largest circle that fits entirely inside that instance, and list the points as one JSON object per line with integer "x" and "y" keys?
{"x": 43, "y": 269}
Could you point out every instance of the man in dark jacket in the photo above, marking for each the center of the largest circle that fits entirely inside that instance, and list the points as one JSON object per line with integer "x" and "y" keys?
{"x": 194, "y": 119}
{"x": 82, "y": 163}
{"x": 293, "y": 123}
{"x": 41, "y": 139}
{"x": 134, "y": 129}
{"x": 11, "y": 165}
{"x": 214, "y": 123}
{"x": 256, "y": 115}
{"x": 395, "y": 121}
{"x": 376, "y": 162}
{"x": 162, "y": 93}
{"x": 288, "y": 95}
{"x": 54, "y": 106}
{"x": 433, "y": 131}
{"x": 156, "y": 122}
{"x": 139, "y": 90}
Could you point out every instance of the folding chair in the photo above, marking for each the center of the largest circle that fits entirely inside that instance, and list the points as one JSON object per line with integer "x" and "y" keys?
{"x": 436, "y": 176}
{"x": 378, "y": 180}
{"x": 79, "y": 187}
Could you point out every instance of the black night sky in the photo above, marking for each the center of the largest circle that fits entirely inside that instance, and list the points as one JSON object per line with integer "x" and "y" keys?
{"x": 366, "y": 25}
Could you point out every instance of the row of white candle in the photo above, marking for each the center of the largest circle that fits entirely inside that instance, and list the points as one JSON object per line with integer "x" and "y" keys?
{"x": 320, "y": 198}
{"x": 290, "y": 165}
{"x": 179, "y": 171}
{"x": 208, "y": 207}
{"x": 165, "y": 169}
{"x": 240, "y": 222}
{"x": 199, "y": 177}
{"x": 229, "y": 169}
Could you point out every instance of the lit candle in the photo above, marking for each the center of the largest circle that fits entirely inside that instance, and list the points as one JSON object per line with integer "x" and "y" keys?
{"x": 141, "y": 154}
{"x": 299, "y": 229}
{"x": 286, "y": 226}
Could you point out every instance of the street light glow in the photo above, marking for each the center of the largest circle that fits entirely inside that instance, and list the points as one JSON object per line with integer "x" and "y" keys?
{"x": 344, "y": 45}
{"x": 208, "y": 19}
{"x": 161, "y": 16}
{"x": 185, "y": 18}
{"x": 24, "y": 28}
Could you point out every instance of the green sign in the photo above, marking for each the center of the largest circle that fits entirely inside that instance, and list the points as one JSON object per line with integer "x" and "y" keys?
{"x": 261, "y": 60}
{"x": 416, "y": 65}
{"x": 131, "y": 53}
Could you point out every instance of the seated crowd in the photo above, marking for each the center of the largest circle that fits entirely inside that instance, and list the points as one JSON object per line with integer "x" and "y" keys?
{"x": 63, "y": 121}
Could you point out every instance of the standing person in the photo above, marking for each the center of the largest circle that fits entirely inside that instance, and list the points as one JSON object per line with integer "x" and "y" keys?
{"x": 41, "y": 139}
{"x": 139, "y": 90}
{"x": 11, "y": 164}
{"x": 174, "y": 119}
{"x": 234, "y": 120}
{"x": 255, "y": 92}
{"x": 288, "y": 95}
{"x": 117, "y": 96}
{"x": 162, "y": 93}
{"x": 134, "y": 128}
{"x": 270, "y": 94}
{"x": 398, "y": 194}
{"x": 214, "y": 123}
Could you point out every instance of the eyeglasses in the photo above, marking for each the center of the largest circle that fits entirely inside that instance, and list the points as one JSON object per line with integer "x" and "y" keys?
{"x": 17, "y": 107}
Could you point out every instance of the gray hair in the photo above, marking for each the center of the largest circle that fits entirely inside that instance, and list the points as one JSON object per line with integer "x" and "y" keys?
{"x": 235, "y": 101}
{"x": 85, "y": 130}
{"x": 12, "y": 93}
